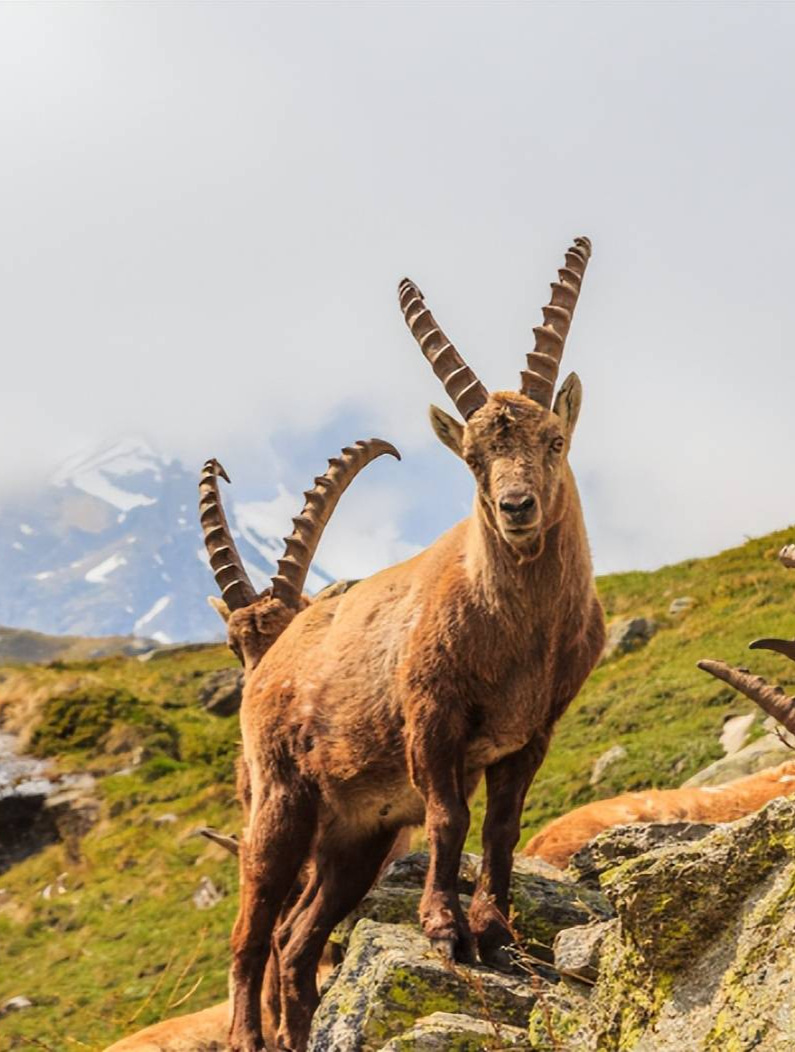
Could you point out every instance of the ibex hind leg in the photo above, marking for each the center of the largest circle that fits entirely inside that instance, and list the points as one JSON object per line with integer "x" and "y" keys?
{"x": 276, "y": 844}
{"x": 301, "y": 894}
{"x": 347, "y": 872}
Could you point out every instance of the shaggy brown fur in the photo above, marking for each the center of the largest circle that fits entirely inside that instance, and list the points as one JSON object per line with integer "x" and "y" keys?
{"x": 560, "y": 839}
{"x": 386, "y": 705}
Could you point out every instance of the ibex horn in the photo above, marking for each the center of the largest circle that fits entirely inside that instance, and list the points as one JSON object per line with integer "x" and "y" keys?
{"x": 772, "y": 700}
{"x": 321, "y": 500}
{"x": 543, "y": 362}
{"x": 781, "y": 646}
{"x": 459, "y": 381}
{"x": 236, "y": 588}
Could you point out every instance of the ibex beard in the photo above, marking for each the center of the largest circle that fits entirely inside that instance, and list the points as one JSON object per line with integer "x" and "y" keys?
{"x": 386, "y": 705}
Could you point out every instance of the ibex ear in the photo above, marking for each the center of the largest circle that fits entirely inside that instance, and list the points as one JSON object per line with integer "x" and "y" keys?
{"x": 568, "y": 402}
{"x": 448, "y": 430}
{"x": 220, "y": 608}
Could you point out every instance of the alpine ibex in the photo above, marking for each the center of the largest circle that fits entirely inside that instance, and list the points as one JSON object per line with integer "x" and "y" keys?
{"x": 388, "y": 703}
{"x": 564, "y": 836}
{"x": 254, "y": 620}
{"x": 772, "y": 700}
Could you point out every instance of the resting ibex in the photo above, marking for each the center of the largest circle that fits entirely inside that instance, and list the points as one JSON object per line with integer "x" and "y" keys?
{"x": 773, "y": 700}
{"x": 387, "y": 704}
{"x": 564, "y": 836}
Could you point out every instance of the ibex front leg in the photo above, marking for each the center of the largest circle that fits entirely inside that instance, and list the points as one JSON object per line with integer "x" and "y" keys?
{"x": 436, "y": 761}
{"x": 507, "y": 783}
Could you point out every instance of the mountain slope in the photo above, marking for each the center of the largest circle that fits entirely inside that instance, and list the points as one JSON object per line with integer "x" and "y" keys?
{"x": 113, "y": 546}
{"x": 125, "y": 945}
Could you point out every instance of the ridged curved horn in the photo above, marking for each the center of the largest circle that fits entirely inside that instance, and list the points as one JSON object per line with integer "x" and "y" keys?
{"x": 772, "y": 700}
{"x": 459, "y": 381}
{"x": 780, "y": 646}
{"x": 236, "y": 588}
{"x": 321, "y": 500}
{"x": 543, "y": 362}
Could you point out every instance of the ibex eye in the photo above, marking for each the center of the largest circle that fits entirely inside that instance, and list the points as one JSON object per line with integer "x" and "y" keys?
{"x": 557, "y": 445}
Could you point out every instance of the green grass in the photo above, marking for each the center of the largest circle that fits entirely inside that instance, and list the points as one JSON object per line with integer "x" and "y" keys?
{"x": 125, "y": 944}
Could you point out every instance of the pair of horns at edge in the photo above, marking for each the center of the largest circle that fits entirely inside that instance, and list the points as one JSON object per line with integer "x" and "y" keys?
{"x": 237, "y": 591}
{"x": 543, "y": 362}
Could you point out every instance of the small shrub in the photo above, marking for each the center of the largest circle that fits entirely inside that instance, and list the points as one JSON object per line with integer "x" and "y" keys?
{"x": 79, "y": 720}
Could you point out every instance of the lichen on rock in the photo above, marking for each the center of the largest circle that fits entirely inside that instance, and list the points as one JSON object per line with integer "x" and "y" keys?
{"x": 390, "y": 978}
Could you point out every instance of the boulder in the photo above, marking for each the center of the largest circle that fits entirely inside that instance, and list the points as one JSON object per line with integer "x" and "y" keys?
{"x": 680, "y": 605}
{"x": 605, "y": 761}
{"x": 768, "y": 751}
{"x": 629, "y": 634}
{"x": 735, "y": 731}
{"x": 221, "y": 692}
{"x": 451, "y": 1032}
{"x": 703, "y": 955}
{"x": 206, "y": 895}
{"x": 578, "y": 950}
{"x": 621, "y": 843}
{"x": 541, "y": 905}
{"x": 390, "y": 978}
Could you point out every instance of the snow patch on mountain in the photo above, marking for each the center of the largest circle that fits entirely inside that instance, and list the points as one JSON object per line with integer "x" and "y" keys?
{"x": 90, "y": 553}
{"x": 99, "y": 573}
{"x": 157, "y": 608}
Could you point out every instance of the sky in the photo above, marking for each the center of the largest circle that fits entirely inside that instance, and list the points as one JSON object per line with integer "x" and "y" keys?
{"x": 205, "y": 210}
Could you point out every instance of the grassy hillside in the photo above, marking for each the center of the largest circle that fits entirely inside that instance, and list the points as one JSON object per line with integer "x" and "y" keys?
{"x": 125, "y": 944}
{"x": 21, "y": 644}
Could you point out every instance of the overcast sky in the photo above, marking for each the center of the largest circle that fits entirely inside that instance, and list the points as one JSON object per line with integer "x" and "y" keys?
{"x": 205, "y": 210}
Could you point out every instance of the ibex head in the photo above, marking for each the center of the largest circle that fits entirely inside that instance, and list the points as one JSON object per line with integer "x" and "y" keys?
{"x": 255, "y": 620}
{"x": 515, "y": 443}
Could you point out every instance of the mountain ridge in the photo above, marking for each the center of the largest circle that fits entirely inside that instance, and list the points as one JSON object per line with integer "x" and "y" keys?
{"x": 112, "y": 546}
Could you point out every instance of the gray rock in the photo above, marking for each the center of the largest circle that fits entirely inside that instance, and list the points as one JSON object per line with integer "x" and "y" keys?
{"x": 15, "y": 1004}
{"x": 390, "y": 978}
{"x": 541, "y": 905}
{"x": 629, "y": 634}
{"x": 578, "y": 950}
{"x": 680, "y": 605}
{"x": 621, "y": 843}
{"x": 206, "y": 895}
{"x": 768, "y": 751}
{"x": 221, "y": 692}
{"x": 605, "y": 761}
{"x": 453, "y": 1032}
{"x": 735, "y": 732}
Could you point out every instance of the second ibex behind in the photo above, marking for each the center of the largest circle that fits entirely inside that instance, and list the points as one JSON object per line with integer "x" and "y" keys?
{"x": 385, "y": 706}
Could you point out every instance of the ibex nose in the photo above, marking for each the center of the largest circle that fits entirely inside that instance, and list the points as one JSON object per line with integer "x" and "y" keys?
{"x": 519, "y": 506}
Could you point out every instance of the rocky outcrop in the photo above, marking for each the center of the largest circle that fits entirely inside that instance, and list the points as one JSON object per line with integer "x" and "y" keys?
{"x": 621, "y": 843}
{"x": 542, "y": 905}
{"x": 608, "y": 758}
{"x": 699, "y": 957}
{"x": 221, "y": 692}
{"x": 703, "y": 954}
{"x": 390, "y": 978}
{"x": 627, "y": 635}
{"x": 760, "y": 754}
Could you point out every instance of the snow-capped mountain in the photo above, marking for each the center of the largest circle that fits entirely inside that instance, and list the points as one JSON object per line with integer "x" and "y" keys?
{"x": 113, "y": 546}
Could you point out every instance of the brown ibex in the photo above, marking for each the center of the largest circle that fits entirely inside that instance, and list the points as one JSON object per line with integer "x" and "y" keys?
{"x": 772, "y": 700}
{"x": 564, "y": 836}
{"x": 387, "y": 704}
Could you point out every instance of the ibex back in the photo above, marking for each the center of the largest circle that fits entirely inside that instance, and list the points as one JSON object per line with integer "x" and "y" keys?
{"x": 387, "y": 704}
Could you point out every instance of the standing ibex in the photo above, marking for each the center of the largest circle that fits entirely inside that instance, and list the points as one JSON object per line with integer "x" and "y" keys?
{"x": 388, "y": 703}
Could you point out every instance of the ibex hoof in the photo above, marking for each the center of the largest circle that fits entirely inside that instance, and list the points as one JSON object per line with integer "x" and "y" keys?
{"x": 454, "y": 950}
{"x": 501, "y": 959}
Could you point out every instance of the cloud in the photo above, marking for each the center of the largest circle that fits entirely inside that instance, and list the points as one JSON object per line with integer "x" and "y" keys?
{"x": 208, "y": 209}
